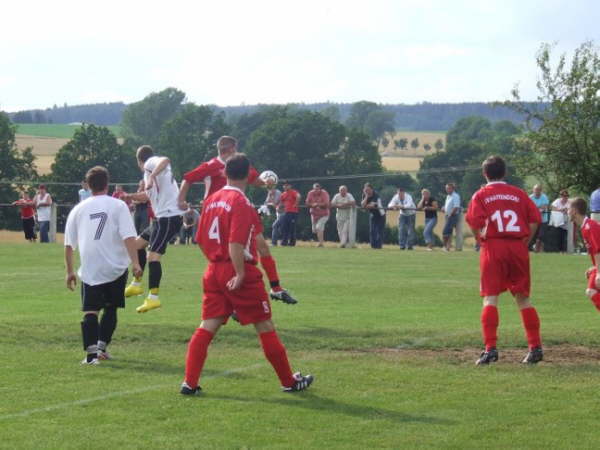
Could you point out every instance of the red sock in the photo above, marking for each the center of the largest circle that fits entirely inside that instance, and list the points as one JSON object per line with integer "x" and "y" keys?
{"x": 596, "y": 300}
{"x": 268, "y": 264}
{"x": 489, "y": 325}
{"x": 531, "y": 322}
{"x": 277, "y": 356}
{"x": 196, "y": 355}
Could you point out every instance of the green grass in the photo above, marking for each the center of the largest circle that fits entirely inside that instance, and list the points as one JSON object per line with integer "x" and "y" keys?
{"x": 56, "y": 130}
{"x": 354, "y": 304}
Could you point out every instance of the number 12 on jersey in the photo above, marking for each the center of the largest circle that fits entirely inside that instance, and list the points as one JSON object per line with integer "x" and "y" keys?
{"x": 511, "y": 225}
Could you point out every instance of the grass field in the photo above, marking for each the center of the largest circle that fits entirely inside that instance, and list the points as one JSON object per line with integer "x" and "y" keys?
{"x": 391, "y": 338}
{"x": 56, "y": 130}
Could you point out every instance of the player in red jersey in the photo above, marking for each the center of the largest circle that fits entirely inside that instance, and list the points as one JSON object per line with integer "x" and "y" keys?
{"x": 590, "y": 231}
{"x": 503, "y": 218}
{"x": 212, "y": 174}
{"x": 227, "y": 236}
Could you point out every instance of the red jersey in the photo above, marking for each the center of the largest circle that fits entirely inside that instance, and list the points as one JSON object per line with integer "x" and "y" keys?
{"x": 503, "y": 211}
{"x": 590, "y": 231}
{"x": 212, "y": 174}
{"x": 227, "y": 217}
{"x": 289, "y": 200}
{"x": 27, "y": 212}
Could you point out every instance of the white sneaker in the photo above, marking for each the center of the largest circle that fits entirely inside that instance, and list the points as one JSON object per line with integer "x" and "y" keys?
{"x": 93, "y": 362}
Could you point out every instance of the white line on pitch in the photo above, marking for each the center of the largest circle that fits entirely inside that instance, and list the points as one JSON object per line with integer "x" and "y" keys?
{"x": 86, "y": 401}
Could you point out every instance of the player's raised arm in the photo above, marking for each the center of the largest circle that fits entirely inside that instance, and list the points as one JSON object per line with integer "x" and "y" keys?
{"x": 162, "y": 165}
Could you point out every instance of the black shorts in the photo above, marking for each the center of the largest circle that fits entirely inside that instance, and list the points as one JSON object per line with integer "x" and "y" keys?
{"x": 161, "y": 232}
{"x": 94, "y": 298}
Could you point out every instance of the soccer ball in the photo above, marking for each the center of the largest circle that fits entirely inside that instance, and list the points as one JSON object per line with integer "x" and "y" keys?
{"x": 269, "y": 177}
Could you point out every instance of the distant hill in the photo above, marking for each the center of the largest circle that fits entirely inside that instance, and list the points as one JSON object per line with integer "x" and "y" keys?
{"x": 419, "y": 117}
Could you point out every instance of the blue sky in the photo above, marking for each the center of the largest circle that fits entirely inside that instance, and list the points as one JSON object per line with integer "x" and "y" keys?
{"x": 228, "y": 53}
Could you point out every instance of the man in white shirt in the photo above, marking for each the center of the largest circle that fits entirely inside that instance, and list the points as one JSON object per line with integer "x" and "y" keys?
{"x": 84, "y": 193}
{"x": 273, "y": 200}
{"x": 102, "y": 229}
{"x": 162, "y": 191}
{"x": 404, "y": 203}
{"x": 452, "y": 211}
{"x": 43, "y": 206}
{"x": 345, "y": 214}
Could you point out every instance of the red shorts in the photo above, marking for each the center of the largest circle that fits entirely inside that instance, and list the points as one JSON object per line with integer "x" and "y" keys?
{"x": 592, "y": 279}
{"x": 250, "y": 301}
{"x": 504, "y": 265}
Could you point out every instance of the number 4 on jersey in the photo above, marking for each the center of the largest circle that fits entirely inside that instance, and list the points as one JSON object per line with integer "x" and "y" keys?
{"x": 512, "y": 220}
{"x": 213, "y": 231}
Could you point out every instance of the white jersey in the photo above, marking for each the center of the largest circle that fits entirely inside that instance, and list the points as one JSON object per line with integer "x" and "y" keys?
{"x": 43, "y": 212}
{"x": 163, "y": 194}
{"x": 97, "y": 227}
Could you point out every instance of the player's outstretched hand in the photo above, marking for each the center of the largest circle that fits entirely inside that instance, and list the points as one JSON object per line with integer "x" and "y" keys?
{"x": 71, "y": 281}
{"x": 137, "y": 270}
{"x": 235, "y": 282}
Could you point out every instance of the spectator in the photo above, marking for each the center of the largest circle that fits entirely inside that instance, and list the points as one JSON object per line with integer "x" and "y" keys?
{"x": 559, "y": 219}
{"x": 27, "y": 216}
{"x": 452, "y": 214}
{"x": 43, "y": 205}
{"x": 140, "y": 213}
{"x": 430, "y": 206}
{"x": 274, "y": 200}
{"x": 318, "y": 202}
{"x": 372, "y": 203}
{"x": 346, "y": 205}
{"x": 541, "y": 201}
{"x": 595, "y": 205}
{"x": 190, "y": 223}
{"x": 290, "y": 199}
{"x": 122, "y": 195}
{"x": 404, "y": 203}
{"x": 84, "y": 192}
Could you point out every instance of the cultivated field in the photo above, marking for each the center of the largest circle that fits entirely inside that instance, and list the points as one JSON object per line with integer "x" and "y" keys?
{"x": 391, "y": 337}
{"x": 424, "y": 137}
{"x": 402, "y": 163}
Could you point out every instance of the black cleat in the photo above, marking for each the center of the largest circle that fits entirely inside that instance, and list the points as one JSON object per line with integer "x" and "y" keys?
{"x": 487, "y": 357}
{"x": 283, "y": 296}
{"x": 534, "y": 356}
{"x": 302, "y": 383}
{"x": 187, "y": 390}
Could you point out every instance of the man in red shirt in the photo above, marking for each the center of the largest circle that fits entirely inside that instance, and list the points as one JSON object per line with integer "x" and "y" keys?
{"x": 318, "y": 202}
{"x": 27, "y": 216}
{"x": 590, "y": 231}
{"x": 290, "y": 199}
{"x": 212, "y": 174}
{"x": 503, "y": 218}
{"x": 227, "y": 235}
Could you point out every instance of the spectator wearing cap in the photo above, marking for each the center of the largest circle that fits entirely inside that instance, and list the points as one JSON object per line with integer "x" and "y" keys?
{"x": 372, "y": 203}
{"x": 346, "y": 207}
{"x": 43, "y": 205}
{"x": 595, "y": 205}
{"x": 404, "y": 203}
{"x": 290, "y": 199}
{"x": 559, "y": 219}
{"x": 318, "y": 201}
{"x": 452, "y": 214}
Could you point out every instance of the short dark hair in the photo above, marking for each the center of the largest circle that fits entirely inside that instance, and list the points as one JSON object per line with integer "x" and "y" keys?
{"x": 144, "y": 153}
{"x": 237, "y": 167}
{"x": 579, "y": 205}
{"x": 97, "y": 178}
{"x": 494, "y": 168}
{"x": 226, "y": 143}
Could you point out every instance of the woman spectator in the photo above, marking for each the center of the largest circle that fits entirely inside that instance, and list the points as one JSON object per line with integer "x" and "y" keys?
{"x": 372, "y": 203}
{"x": 430, "y": 206}
{"x": 27, "y": 216}
{"x": 560, "y": 220}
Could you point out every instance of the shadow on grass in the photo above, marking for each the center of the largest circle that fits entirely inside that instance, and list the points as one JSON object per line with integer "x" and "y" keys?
{"x": 308, "y": 400}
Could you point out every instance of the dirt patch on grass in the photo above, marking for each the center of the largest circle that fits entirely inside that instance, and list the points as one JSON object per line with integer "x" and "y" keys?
{"x": 563, "y": 355}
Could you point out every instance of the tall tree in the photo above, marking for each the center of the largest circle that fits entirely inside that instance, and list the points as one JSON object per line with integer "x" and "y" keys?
{"x": 414, "y": 144}
{"x": 401, "y": 143}
{"x": 14, "y": 165}
{"x": 562, "y": 143}
{"x": 143, "y": 120}
{"x": 439, "y": 145}
{"x": 371, "y": 118}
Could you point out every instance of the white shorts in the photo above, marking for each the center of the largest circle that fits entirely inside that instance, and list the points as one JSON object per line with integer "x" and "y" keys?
{"x": 318, "y": 224}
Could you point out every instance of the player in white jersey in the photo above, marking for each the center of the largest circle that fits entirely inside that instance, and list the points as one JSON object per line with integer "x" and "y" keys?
{"x": 102, "y": 229}
{"x": 162, "y": 192}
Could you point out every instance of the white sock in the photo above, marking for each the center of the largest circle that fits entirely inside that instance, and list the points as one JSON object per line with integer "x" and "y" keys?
{"x": 153, "y": 296}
